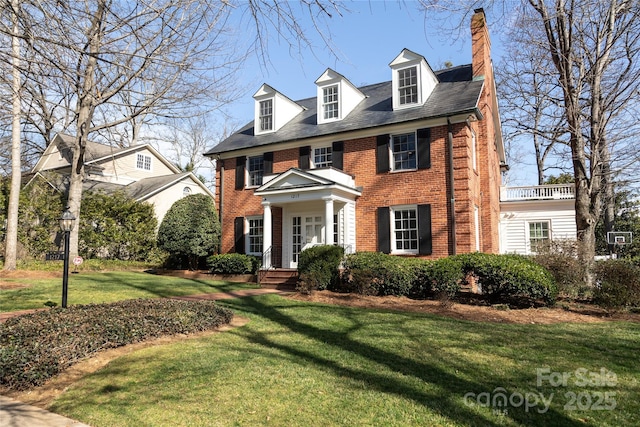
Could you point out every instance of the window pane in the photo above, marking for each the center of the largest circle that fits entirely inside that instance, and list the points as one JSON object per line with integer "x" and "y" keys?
{"x": 330, "y": 102}
{"x": 408, "y": 86}
{"x": 322, "y": 157}
{"x": 255, "y": 235}
{"x": 405, "y": 230}
{"x": 256, "y": 170}
{"x": 266, "y": 115}
{"x": 404, "y": 151}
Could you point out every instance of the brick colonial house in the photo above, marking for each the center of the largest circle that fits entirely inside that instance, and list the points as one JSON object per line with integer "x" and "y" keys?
{"x": 411, "y": 166}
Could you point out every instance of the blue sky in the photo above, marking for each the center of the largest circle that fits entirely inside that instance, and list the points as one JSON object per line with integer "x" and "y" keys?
{"x": 366, "y": 40}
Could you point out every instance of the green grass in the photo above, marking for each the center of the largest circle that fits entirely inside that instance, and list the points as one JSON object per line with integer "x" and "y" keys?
{"x": 304, "y": 364}
{"x": 100, "y": 287}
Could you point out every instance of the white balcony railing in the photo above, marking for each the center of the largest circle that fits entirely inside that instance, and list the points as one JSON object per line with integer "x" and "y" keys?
{"x": 537, "y": 192}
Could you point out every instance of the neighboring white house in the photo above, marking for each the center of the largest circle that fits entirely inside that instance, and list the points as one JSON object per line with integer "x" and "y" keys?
{"x": 140, "y": 170}
{"x": 536, "y": 214}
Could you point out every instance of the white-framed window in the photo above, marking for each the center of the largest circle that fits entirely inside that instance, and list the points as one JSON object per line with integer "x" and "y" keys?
{"x": 254, "y": 235}
{"x": 255, "y": 170}
{"x": 143, "y": 162}
{"x": 330, "y": 102}
{"x": 266, "y": 115}
{"x": 539, "y": 233}
{"x": 403, "y": 152}
{"x": 186, "y": 191}
{"x": 408, "y": 86}
{"x": 322, "y": 157}
{"x": 404, "y": 229}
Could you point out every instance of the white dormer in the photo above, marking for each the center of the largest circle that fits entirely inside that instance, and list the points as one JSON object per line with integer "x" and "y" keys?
{"x": 337, "y": 97}
{"x": 413, "y": 80}
{"x": 272, "y": 110}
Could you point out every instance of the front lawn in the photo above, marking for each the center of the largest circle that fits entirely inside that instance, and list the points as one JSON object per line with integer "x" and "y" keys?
{"x": 100, "y": 287}
{"x": 304, "y": 364}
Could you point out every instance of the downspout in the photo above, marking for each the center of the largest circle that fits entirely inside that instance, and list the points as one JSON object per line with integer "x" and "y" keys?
{"x": 452, "y": 198}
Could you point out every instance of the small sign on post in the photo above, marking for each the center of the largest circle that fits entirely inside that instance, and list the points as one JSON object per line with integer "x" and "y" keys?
{"x": 54, "y": 256}
{"x": 76, "y": 262}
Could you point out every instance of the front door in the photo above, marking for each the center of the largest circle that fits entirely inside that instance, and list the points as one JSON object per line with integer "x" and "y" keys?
{"x": 307, "y": 231}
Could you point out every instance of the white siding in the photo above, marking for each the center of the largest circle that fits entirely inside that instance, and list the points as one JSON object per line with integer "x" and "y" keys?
{"x": 163, "y": 200}
{"x": 515, "y": 217}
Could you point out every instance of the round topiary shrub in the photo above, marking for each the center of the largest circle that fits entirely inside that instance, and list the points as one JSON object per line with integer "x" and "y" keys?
{"x": 318, "y": 267}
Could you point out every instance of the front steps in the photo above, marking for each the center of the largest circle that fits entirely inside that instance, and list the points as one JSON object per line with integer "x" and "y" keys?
{"x": 278, "y": 278}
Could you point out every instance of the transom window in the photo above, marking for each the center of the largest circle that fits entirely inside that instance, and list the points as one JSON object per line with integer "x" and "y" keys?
{"x": 403, "y": 149}
{"x": 143, "y": 162}
{"x": 538, "y": 235}
{"x": 266, "y": 115}
{"x": 322, "y": 157}
{"x": 330, "y": 102}
{"x": 408, "y": 85}
{"x": 405, "y": 230}
{"x": 255, "y": 169}
{"x": 254, "y": 235}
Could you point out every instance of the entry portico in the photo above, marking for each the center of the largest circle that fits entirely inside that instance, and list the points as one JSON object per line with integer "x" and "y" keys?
{"x": 318, "y": 208}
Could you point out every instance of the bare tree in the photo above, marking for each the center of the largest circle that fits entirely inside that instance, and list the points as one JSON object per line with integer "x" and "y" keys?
{"x": 529, "y": 100}
{"x": 593, "y": 47}
{"x": 129, "y": 63}
{"x": 11, "y": 240}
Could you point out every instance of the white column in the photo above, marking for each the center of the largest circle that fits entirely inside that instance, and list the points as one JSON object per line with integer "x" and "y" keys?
{"x": 266, "y": 235}
{"x": 328, "y": 221}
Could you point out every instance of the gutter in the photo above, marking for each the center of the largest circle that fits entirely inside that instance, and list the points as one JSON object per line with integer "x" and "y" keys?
{"x": 452, "y": 198}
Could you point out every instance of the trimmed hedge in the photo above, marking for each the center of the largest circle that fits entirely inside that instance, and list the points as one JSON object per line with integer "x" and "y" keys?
{"x": 318, "y": 267}
{"x": 618, "y": 283}
{"x": 233, "y": 264}
{"x": 37, "y": 346}
{"x": 501, "y": 277}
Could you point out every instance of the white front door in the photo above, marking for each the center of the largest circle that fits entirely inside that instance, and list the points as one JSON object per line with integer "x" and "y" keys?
{"x": 307, "y": 231}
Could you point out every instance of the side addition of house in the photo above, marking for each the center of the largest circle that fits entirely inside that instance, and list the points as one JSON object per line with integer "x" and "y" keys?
{"x": 410, "y": 166}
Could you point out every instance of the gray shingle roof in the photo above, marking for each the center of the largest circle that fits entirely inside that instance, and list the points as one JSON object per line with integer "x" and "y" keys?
{"x": 456, "y": 93}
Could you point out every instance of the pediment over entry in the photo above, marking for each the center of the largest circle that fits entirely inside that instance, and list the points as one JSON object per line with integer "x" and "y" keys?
{"x": 321, "y": 182}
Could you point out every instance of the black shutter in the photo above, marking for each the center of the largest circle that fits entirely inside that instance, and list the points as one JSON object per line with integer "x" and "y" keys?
{"x": 424, "y": 230}
{"x": 240, "y": 165}
{"x": 303, "y": 160}
{"x": 424, "y": 148}
{"x": 268, "y": 163}
{"x": 337, "y": 150}
{"x": 384, "y": 230}
{"x": 382, "y": 154}
{"x": 238, "y": 233}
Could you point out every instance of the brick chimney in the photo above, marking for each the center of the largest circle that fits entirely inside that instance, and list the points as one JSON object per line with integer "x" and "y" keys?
{"x": 480, "y": 46}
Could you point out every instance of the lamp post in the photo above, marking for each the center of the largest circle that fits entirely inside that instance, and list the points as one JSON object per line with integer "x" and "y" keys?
{"x": 67, "y": 221}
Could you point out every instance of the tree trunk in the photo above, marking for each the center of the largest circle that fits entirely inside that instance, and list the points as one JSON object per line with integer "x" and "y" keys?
{"x": 85, "y": 107}
{"x": 11, "y": 239}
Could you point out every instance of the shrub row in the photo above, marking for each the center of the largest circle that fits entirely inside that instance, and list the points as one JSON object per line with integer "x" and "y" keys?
{"x": 500, "y": 277}
{"x": 37, "y": 346}
{"x": 233, "y": 264}
{"x": 318, "y": 268}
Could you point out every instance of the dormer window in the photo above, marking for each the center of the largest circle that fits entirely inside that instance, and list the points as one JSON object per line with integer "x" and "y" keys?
{"x": 413, "y": 80}
{"x": 330, "y": 102}
{"x": 272, "y": 110}
{"x": 266, "y": 115}
{"x": 337, "y": 97}
{"x": 408, "y": 86}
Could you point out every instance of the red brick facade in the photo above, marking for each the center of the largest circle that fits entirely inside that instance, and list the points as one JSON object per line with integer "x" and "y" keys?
{"x": 474, "y": 187}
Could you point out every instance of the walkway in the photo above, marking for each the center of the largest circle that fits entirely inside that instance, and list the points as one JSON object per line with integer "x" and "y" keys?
{"x": 14, "y": 413}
